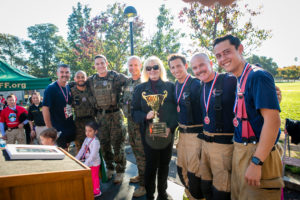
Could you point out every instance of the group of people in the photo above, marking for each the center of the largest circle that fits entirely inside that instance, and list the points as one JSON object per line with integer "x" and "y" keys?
{"x": 228, "y": 123}
{"x": 16, "y": 120}
{"x": 229, "y": 126}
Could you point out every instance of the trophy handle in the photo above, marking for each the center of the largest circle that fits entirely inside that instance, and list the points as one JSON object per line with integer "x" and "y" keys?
{"x": 144, "y": 97}
{"x": 165, "y": 96}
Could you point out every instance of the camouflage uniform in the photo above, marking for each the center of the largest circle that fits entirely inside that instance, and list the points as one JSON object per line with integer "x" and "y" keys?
{"x": 84, "y": 112}
{"x": 106, "y": 92}
{"x": 134, "y": 129}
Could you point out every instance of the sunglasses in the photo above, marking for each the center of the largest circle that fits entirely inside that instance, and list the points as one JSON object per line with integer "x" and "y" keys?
{"x": 154, "y": 67}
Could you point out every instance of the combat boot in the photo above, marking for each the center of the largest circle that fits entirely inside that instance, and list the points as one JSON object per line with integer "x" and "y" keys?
{"x": 141, "y": 191}
{"x": 135, "y": 179}
{"x": 119, "y": 178}
{"x": 110, "y": 174}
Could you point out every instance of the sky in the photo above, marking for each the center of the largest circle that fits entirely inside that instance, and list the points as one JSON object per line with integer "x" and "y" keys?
{"x": 282, "y": 18}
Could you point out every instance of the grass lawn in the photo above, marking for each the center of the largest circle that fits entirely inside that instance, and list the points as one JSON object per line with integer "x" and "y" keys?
{"x": 290, "y": 104}
{"x": 290, "y": 108}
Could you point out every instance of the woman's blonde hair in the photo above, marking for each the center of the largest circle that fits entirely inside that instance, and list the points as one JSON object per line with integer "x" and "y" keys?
{"x": 163, "y": 73}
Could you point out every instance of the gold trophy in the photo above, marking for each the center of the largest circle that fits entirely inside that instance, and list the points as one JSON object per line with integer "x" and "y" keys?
{"x": 155, "y": 101}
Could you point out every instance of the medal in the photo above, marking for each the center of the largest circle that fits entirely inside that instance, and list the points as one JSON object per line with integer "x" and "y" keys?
{"x": 83, "y": 99}
{"x": 181, "y": 91}
{"x": 235, "y": 122}
{"x": 178, "y": 108}
{"x": 206, "y": 104}
{"x": 131, "y": 89}
{"x": 206, "y": 120}
{"x": 104, "y": 83}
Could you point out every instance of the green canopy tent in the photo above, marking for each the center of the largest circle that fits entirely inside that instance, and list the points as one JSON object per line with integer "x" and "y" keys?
{"x": 12, "y": 79}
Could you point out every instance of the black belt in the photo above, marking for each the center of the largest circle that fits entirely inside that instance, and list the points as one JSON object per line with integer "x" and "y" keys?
{"x": 109, "y": 110}
{"x": 10, "y": 129}
{"x": 191, "y": 130}
{"x": 221, "y": 139}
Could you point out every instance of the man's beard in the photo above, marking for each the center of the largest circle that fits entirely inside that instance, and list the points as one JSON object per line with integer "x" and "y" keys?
{"x": 81, "y": 85}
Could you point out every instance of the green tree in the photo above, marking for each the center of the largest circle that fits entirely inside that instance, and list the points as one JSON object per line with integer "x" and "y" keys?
{"x": 71, "y": 51}
{"x": 115, "y": 35}
{"x": 289, "y": 73}
{"x": 79, "y": 18}
{"x": 266, "y": 63}
{"x": 11, "y": 50}
{"x": 42, "y": 49}
{"x": 107, "y": 34}
{"x": 166, "y": 40}
{"x": 209, "y": 23}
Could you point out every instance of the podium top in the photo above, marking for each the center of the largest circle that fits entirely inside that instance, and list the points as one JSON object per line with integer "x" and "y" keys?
{"x": 18, "y": 167}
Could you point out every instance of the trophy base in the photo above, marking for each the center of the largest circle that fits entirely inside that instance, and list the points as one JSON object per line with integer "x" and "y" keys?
{"x": 159, "y": 129}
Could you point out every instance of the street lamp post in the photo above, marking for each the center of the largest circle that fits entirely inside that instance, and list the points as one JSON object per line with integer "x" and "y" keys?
{"x": 130, "y": 11}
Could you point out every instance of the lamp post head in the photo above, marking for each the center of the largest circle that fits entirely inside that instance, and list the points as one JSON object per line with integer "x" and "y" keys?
{"x": 130, "y": 11}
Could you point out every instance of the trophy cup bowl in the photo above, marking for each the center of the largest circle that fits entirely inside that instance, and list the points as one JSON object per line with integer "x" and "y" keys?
{"x": 155, "y": 101}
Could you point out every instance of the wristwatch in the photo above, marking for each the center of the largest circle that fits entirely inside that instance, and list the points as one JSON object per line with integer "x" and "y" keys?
{"x": 256, "y": 161}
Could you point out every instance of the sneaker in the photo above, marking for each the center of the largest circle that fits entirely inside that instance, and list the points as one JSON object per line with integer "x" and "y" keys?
{"x": 118, "y": 178}
{"x": 135, "y": 179}
{"x": 141, "y": 191}
{"x": 110, "y": 174}
{"x": 98, "y": 195}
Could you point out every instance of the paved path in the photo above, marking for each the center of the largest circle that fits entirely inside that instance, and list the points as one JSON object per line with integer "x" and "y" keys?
{"x": 124, "y": 191}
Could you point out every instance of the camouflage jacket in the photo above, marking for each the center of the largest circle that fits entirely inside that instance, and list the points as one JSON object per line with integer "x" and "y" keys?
{"x": 107, "y": 90}
{"x": 83, "y": 102}
{"x": 126, "y": 98}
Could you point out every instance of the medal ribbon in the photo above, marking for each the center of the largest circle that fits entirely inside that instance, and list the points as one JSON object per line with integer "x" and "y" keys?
{"x": 239, "y": 82}
{"x": 86, "y": 149}
{"x": 182, "y": 87}
{"x": 66, "y": 97}
{"x": 206, "y": 104}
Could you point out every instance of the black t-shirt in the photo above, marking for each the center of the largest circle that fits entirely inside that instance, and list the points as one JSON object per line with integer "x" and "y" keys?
{"x": 56, "y": 101}
{"x": 35, "y": 114}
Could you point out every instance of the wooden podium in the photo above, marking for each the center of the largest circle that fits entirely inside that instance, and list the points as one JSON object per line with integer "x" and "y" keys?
{"x": 66, "y": 179}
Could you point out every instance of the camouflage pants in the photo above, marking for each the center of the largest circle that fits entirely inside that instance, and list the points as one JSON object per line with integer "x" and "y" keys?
{"x": 112, "y": 140}
{"x": 16, "y": 135}
{"x": 80, "y": 130}
{"x": 135, "y": 141}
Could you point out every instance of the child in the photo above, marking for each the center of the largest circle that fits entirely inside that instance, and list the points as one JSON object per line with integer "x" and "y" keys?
{"x": 48, "y": 136}
{"x": 89, "y": 154}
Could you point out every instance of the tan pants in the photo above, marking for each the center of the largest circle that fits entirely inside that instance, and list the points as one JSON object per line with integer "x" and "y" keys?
{"x": 16, "y": 135}
{"x": 38, "y": 131}
{"x": 216, "y": 165}
{"x": 271, "y": 176}
{"x": 189, "y": 154}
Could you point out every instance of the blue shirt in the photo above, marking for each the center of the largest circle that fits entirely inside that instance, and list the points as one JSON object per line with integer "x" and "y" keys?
{"x": 260, "y": 93}
{"x": 228, "y": 97}
{"x": 55, "y": 100}
{"x": 190, "y": 95}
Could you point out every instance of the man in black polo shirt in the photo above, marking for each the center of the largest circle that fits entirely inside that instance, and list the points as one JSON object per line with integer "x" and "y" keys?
{"x": 35, "y": 116}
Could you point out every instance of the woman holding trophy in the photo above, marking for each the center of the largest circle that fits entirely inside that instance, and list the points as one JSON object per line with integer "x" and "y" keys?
{"x": 154, "y": 108}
